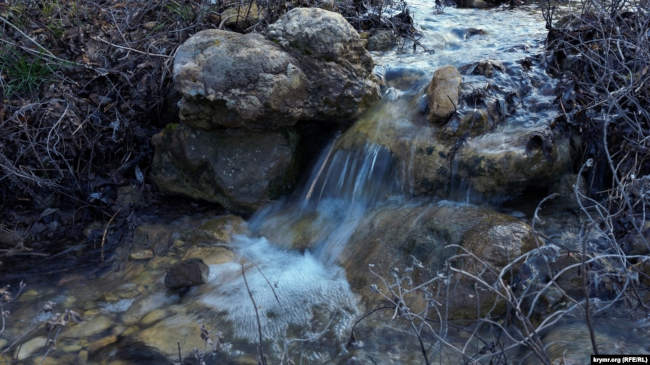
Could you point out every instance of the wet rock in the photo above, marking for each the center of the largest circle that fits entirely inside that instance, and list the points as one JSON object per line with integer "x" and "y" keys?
{"x": 145, "y": 254}
{"x": 74, "y": 347}
{"x": 302, "y": 232}
{"x": 29, "y": 295}
{"x": 184, "y": 237}
{"x": 178, "y": 328}
{"x": 152, "y": 237}
{"x": 443, "y": 92}
{"x": 381, "y": 40}
{"x": 471, "y": 123}
{"x": 475, "y": 4}
{"x": 145, "y": 305}
{"x": 471, "y": 32}
{"x": 212, "y": 358}
{"x": 485, "y": 68}
{"x": 101, "y": 343}
{"x": 154, "y": 316}
{"x": 130, "y": 352}
{"x": 30, "y": 347}
{"x": 516, "y": 158}
{"x": 238, "y": 169}
{"x": 88, "y": 327}
{"x": 211, "y": 255}
{"x": 404, "y": 78}
{"x": 187, "y": 273}
{"x": 390, "y": 237}
{"x": 334, "y": 59}
{"x": 223, "y": 228}
{"x": 495, "y": 166}
{"x": 570, "y": 343}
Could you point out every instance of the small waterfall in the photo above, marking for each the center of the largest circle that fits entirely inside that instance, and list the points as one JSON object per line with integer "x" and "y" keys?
{"x": 322, "y": 216}
{"x": 293, "y": 287}
{"x": 355, "y": 177}
{"x": 291, "y": 257}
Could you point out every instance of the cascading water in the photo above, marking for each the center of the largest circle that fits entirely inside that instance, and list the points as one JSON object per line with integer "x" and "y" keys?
{"x": 291, "y": 257}
{"x": 286, "y": 283}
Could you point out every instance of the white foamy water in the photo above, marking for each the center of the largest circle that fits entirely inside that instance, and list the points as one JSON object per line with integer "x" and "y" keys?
{"x": 287, "y": 287}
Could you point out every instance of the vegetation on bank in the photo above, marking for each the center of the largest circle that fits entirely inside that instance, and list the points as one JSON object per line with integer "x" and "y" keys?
{"x": 84, "y": 86}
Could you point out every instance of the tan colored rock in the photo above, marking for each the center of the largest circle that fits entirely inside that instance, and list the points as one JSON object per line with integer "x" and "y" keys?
{"x": 232, "y": 80}
{"x": 313, "y": 66}
{"x": 390, "y": 237}
{"x": 30, "y": 347}
{"x": 211, "y": 255}
{"x": 146, "y": 304}
{"x": 88, "y": 327}
{"x": 444, "y": 92}
{"x": 153, "y": 316}
{"x": 500, "y": 164}
{"x": 102, "y": 342}
{"x": 223, "y": 228}
{"x": 138, "y": 255}
{"x": 165, "y": 334}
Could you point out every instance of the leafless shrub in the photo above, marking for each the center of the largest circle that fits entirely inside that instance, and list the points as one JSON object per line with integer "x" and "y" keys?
{"x": 6, "y": 298}
{"x": 525, "y": 320}
{"x": 602, "y": 53}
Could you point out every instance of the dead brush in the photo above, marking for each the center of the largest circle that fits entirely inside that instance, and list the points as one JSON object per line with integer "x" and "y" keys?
{"x": 85, "y": 84}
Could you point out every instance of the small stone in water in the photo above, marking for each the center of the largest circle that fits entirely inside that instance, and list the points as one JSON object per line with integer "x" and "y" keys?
{"x": 187, "y": 273}
{"x": 29, "y": 347}
{"x": 141, "y": 255}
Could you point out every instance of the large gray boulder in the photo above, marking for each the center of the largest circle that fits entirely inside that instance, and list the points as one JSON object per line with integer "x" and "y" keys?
{"x": 334, "y": 58}
{"x": 242, "y": 95}
{"x": 320, "y": 34}
{"x": 312, "y": 67}
{"x": 228, "y": 79}
{"x": 239, "y": 169}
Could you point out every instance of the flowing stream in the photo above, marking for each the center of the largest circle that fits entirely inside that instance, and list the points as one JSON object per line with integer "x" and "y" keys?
{"x": 297, "y": 243}
{"x": 292, "y": 251}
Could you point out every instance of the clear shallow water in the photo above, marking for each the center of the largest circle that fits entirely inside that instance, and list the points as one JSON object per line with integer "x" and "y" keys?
{"x": 510, "y": 35}
{"x": 286, "y": 285}
{"x": 461, "y": 37}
